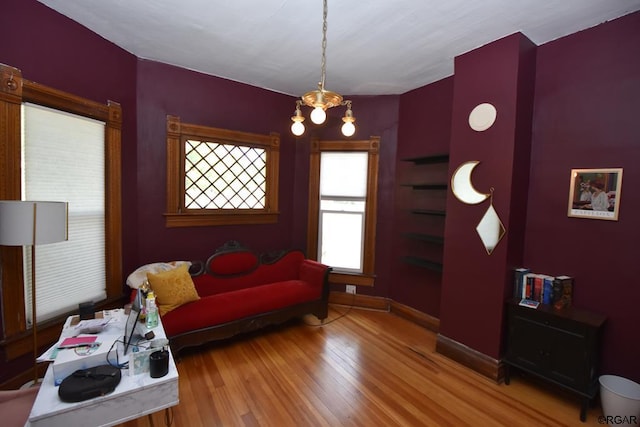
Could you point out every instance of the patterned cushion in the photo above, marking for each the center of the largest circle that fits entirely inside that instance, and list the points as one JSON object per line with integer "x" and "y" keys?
{"x": 172, "y": 288}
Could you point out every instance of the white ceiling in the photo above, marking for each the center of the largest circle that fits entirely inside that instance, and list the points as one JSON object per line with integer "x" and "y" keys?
{"x": 374, "y": 47}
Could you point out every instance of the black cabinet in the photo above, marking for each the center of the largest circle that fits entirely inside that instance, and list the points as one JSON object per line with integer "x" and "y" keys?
{"x": 560, "y": 346}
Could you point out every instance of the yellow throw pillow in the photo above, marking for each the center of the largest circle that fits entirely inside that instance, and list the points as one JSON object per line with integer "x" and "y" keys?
{"x": 172, "y": 288}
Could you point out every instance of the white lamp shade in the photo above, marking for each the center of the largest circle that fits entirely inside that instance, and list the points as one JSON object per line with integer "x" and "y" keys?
{"x": 32, "y": 223}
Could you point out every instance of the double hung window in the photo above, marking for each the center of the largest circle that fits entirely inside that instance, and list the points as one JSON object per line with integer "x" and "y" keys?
{"x": 55, "y": 146}
{"x": 342, "y": 208}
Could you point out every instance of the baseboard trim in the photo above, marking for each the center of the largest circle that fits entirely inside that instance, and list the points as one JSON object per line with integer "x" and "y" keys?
{"x": 473, "y": 359}
{"x": 418, "y": 317}
{"x": 357, "y": 300}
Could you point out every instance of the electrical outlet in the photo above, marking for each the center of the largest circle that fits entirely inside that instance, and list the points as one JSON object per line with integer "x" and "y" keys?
{"x": 351, "y": 289}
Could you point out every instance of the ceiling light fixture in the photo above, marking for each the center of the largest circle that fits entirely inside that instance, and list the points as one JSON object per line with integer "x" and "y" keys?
{"x": 321, "y": 99}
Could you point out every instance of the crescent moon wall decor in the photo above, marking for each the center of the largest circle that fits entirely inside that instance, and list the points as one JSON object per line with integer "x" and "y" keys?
{"x": 482, "y": 117}
{"x": 463, "y": 188}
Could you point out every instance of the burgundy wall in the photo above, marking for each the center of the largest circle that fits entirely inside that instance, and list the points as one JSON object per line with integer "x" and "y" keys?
{"x": 474, "y": 283}
{"x": 205, "y": 100}
{"x": 587, "y": 110}
{"x": 50, "y": 49}
{"x": 424, "y": 129}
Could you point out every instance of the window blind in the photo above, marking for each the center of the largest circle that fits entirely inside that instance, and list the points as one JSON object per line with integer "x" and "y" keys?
{"x": 63, "y": 159}
{"x": 343, "y": 190}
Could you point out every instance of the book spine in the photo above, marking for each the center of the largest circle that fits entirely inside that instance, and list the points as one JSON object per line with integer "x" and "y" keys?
{"x": 531, "y": 279}
{"x": 547, "y": 290}
{"x": 519, "y": 278}
{"x": 562, "y": 291}
{"x": 537, "y": 288}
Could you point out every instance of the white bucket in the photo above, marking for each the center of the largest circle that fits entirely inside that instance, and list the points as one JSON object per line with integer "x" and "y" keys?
{"x": 620, "y": 399}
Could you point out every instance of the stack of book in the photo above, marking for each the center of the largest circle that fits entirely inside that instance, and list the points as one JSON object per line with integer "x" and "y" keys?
{"x": 545, "y": 289}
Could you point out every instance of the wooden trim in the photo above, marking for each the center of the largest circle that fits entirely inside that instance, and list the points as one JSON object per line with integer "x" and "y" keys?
{"x": 479, "y": 362}
{"x": 351, "y": 279}
{"x": 63, "y": 101}
{"x": 11, "y": 279}
{"x": 357, "y": 300}
{"x": 385, "y": 304}
{"x": 314, "y": 200}
{"x": 14, "y": 90}
{"x": 202, "y": 219}
{"x": 371, "y": 209}
{"x": 419, "y": 318}
{"x": 113, "y": 203}
{"x": 372, "y": 146}
{"x": 173, "y": 165}
{"x": 177, "y": 215}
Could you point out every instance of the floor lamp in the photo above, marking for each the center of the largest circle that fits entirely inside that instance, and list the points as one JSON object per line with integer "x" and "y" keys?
{"x": 25, "y": 223}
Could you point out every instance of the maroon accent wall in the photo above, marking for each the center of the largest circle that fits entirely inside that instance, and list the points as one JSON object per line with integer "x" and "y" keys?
{"x": 474, "y": 284}
{"x": 51, "y": 49}
{"x": 424, "y": 129}
{"x": 587, "y": 109}
{"x": 210, "y": 101}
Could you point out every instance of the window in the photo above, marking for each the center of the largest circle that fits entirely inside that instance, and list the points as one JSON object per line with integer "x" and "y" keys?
{"x": 73, "y": 271}
{"x": 99, "y": 122}
{"x": 343, "y": 181}
{"x": 217, "y": 176}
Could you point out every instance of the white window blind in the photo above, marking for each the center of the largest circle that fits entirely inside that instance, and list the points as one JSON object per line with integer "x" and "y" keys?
{"x": 64, "y": 160}
{"x": 343, "y": 190}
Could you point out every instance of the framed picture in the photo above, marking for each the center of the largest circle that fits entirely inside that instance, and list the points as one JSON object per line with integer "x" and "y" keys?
{"x": 595, "y": 193}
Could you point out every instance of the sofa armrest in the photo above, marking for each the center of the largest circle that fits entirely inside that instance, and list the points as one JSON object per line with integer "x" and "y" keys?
{"x": 315, "y": 273}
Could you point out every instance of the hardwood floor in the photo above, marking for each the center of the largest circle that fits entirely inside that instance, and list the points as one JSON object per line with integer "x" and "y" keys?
{"x": 367, "y": 368}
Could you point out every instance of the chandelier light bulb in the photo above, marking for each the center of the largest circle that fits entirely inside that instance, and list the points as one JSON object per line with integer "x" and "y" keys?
{"x": 297, "y": 128}
{"x": 321, "y": 99}
{"x": 318, "y": 115}
{"x": 348, "y": 129}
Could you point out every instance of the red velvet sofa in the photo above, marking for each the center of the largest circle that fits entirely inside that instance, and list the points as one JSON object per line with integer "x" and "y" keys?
{"x": 241, "y": 292}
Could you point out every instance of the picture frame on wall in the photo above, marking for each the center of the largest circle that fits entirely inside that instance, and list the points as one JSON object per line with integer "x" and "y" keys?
{"x": 595, "y": 193}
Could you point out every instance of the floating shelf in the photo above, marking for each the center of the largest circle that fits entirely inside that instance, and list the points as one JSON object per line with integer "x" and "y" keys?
{"x": 428, "y": 212}
{"x": 425, "y": 237}
{"x": 422, "y": 160}
{"x": 421, "y": 262}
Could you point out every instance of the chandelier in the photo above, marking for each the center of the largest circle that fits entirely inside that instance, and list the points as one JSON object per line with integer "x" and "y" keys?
{"x": 321, "y": 99}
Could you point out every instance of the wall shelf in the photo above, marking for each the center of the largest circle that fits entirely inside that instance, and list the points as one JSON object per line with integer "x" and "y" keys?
{"x": 428, "y": 186}
{"x": 428, "y": 212}
{"x": 423, "y": 160}
{"x": 425, "y": 238}
{"x": 424, "y": 202}
{"x": 422, "y": 262}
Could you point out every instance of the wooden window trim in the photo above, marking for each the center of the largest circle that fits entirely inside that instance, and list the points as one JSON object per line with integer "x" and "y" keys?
{"x": 372, "y": 146}
{"x": 14, "y": 90}
{"x": 177, "y": 216}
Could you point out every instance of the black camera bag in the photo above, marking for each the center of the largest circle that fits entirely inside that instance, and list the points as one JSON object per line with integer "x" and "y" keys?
{"x": 88, "y": 383}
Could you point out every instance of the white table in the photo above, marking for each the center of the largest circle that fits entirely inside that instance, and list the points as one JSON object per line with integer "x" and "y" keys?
{"x": 134, "y": 397}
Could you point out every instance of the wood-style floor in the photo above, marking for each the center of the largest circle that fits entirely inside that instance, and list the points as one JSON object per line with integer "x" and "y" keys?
{"x": 367, "y": 368}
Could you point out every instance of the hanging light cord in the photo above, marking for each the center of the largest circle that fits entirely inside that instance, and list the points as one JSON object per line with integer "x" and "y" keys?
{"x": 323, "y": 66}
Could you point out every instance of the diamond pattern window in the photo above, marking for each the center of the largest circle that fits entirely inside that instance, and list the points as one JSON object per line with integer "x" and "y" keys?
{"x": 223, "y": 176}
{"x": 219, "y": 176}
